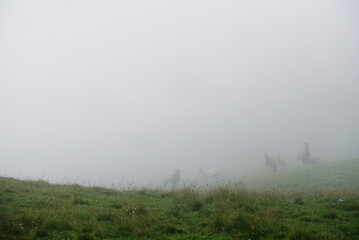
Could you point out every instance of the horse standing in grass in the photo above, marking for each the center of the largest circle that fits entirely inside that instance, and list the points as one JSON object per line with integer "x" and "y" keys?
{"x": 172, "y": 179}
{"x": 310, "y": 161}
{"x": 271, "y": 163}
{"x": 209, "y": 173}
{"x": 304, "y": 156}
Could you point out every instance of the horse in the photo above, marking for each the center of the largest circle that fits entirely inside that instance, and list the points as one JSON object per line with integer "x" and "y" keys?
{"x": 281, "y": 162}
{"x": 209, "y": 173}
{"x": 270, "y": 163}
{"x": 310, "y": 161}
{"x": 305, "y": 155}
{"x": 172, "y": 179}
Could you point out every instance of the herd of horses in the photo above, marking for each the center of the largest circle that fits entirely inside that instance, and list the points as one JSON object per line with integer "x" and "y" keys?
{"x": 271, "y": 163}
{"x": 304, "y": 156}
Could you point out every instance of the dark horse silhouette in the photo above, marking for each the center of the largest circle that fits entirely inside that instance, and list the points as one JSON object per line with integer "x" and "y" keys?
{"x": 305, "y": 157}
{"x": 310, "y": 161}
{"x": 271, "y": 163}
{"x": 172, "y": 179}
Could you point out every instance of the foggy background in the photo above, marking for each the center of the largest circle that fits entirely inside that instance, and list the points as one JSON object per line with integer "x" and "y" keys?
{"x": 103, "y": 92}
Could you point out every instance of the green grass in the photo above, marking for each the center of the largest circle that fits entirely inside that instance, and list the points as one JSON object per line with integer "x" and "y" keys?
{"x": 39, "y": 210}
{"x": 337, "y": 175}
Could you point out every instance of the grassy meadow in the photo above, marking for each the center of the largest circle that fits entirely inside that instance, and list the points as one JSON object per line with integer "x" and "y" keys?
{"x": 336, "y": 175}
{"x": 294, "y": 204}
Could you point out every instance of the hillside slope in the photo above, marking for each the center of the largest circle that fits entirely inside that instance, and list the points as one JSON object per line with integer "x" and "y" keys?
{"x": 39, "y": 210}
{"x": 337, "y": 175}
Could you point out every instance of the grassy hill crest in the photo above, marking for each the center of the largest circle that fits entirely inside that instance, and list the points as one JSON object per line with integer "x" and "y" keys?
{"x": 336, "y": 175}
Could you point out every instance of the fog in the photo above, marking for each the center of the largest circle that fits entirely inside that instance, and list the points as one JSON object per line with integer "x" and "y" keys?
{"x": 103, "y": 92}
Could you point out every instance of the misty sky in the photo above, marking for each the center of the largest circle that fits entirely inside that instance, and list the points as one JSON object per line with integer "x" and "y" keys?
{"x": 130, "y": 90}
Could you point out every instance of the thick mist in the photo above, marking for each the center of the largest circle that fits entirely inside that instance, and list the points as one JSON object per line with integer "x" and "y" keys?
{"x": 104, "y": 92}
